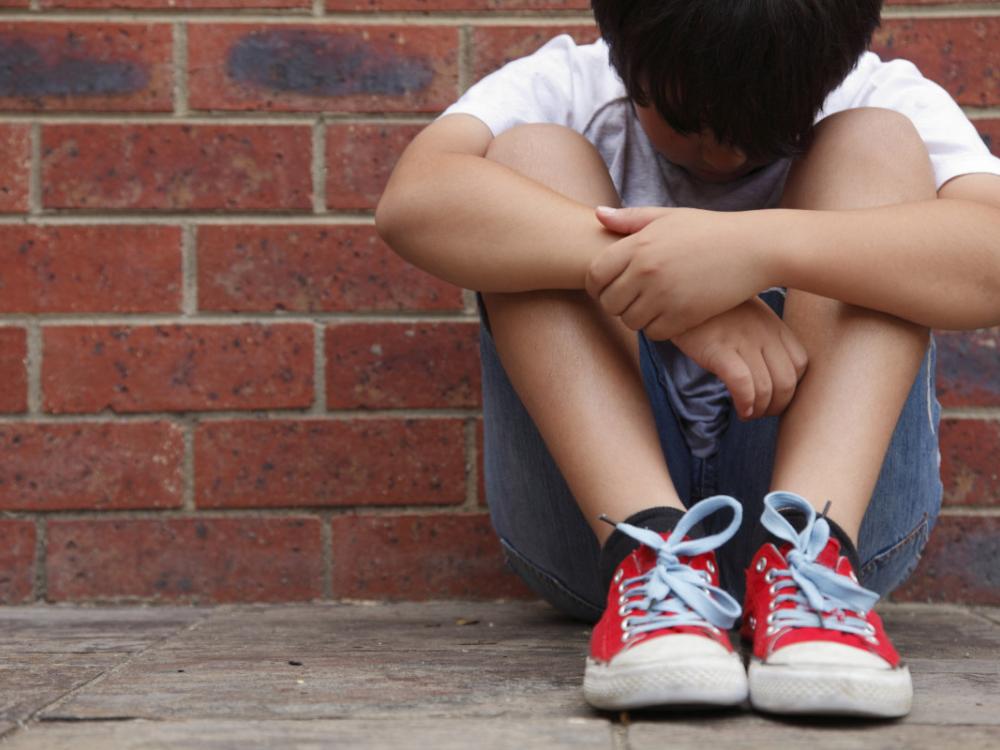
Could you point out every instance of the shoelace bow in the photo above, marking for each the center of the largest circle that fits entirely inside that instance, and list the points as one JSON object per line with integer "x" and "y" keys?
{"x": 672, "y": 593}
{"x": 822, "y": 597}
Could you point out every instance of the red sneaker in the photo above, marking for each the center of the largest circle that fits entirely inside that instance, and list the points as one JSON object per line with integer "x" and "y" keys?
{"x": 817, "y": 646}
{"x": 662, "y": 639}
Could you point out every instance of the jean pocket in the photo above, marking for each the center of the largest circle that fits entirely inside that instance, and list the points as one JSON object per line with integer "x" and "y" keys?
{"x": 892, "y": 566}
{"x": 550, "y": 588}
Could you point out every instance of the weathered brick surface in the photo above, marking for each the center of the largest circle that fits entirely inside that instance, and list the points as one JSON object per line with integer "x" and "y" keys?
{"x": 420, "y": 557}
{"x": 17, "y": 561}
{"x": 324, "y": 463}
{"x": 177, "y": 167}
{"x": 15, "y": 156}
{"x": 86, "y": 66}
{"x": 190, "y": 560}
{"x": 959, "y": 53}
{"x": 346, "y": 68}
{"x": 400, "y": 365}
{"x": 91, "y": 466}
{"x": 969, "y": 368}
{"x": 311, "y": 269}
{"x": 959, "y": 564}
{"x": 177, "y": 367}
{"x": 990, "y": 130}
{"x": 494, "y": 46}
{"x": 970, "y": 461}
{"x": 90, "y": 269}
{"x": 168, "y": 5}
{"x": 13, "y": 375}
{"x": 359, "y": 160}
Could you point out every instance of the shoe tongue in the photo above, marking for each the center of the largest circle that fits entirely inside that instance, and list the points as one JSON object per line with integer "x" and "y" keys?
{"x": 830, "y": 554}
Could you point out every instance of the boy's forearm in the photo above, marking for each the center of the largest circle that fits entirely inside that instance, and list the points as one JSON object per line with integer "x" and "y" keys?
{"x": 482, "y": 226}
{"x": 935, "y": 262}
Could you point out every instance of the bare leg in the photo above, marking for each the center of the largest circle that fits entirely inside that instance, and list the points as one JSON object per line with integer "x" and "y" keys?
{"x": 575, "y": 369}
{"x": 862, "y": 363}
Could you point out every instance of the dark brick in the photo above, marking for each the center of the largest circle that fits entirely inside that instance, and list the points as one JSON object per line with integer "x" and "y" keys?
{"x": 961, "y": 54}
{"x": 359, "y": 160}
{"x": 86, "y": 66}
{"x": 90, "y": 269}
{"x": 188, "y": 560}
{"x": 336, "y": 6}
{"x": 311, "y": 463}
{"x": 15, "y": 155}
{"x": 968, "y": 371}
{"x": 970, "y": 468}
{"x": 420, "y": 557}
{"x": 989, "y": 129}
{"x": 319, "y": 68}
{"x": 17, "y": 561}
{"x": 169, "y": 5}
{"x": 311, "y": 269}
{"x": 177, "y": 368}
{"x": 495, "y": 46}
{"x": 401, "y": 365}
{"x": 959, "y": 564}
{"x": 177, "y": 167}
{"x": 13, "y": 375}
{"x": 91, "y": 466}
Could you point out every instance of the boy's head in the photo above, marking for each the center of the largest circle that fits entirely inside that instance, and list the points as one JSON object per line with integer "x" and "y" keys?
{"x": 752, "y": 73}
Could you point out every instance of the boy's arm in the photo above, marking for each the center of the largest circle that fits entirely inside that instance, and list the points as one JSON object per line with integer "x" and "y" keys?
{"x": 471, "y": 221}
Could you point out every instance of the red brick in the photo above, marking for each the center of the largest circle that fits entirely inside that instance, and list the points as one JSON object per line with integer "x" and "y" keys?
{"x": 990, "y": 130}
{"x": 311, "y": 269}
{"x": 90, "y": 269}
{"x": 335, "y": 6}
{"x": 312, "y": 463}
{"x": 177, "y": 167}
{"x": 169, "y": 5}
{"x": 480, "y": 465}
{"x": 86, "y": 66}
{"x": 961, "y": 54}
{"x": 321, "y": 68}
{"x": 13, "y": 375}
{"x": 15, "y": 155}
{"x": 959, "y": 564}
{"x": 359, "y": 160}
{"x": 17, "y": 561}
{"x": 969, "y": 466}
{"x": 15, "y": 3}
{"x": 177, "y": 367}
{"x": 401, "y": 365}
{"x": 968, "y": 371}
{"x": 187, "y": 559}
{"x": 420, "y": 557}
{"x": 91, "y": 466}
{"x": 495, "y": 46}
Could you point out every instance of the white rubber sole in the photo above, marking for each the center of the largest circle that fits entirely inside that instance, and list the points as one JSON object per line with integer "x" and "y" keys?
{"x": 720, "y": 681}
{"x": 828, "y": 690}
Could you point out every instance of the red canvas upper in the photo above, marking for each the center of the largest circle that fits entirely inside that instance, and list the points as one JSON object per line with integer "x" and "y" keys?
{"x": 760, "y": 602}
{"x": 606, "y": 641}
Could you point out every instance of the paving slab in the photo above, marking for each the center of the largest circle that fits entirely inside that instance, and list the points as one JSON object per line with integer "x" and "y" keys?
{"x": 439, "y": 734}
{"x": 46, "y": 652}
{"x": 329, "y": 661}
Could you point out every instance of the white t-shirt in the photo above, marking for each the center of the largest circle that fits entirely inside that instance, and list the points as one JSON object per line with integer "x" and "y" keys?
{"x": 575, "y": 86}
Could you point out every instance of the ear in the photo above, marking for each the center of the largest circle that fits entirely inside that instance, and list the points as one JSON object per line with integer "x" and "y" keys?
{"x": 627, "y": 220}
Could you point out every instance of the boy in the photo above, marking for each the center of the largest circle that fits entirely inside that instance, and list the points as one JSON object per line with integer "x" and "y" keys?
{"x": 758, "y": 145}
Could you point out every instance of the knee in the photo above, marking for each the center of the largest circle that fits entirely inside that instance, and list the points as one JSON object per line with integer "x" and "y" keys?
{"x": 557, "y": 157}
{"x": 870, "y": 156}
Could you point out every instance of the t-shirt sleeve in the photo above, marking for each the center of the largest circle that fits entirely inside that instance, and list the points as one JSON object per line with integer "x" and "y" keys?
{"x": 954, "y": 145}
{"x": 562, "y": 84}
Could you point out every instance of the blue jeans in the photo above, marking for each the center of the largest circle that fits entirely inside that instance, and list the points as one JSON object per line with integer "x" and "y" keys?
{"x": 551, "y": 546}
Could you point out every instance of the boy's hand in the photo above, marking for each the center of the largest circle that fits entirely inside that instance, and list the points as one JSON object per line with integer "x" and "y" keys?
{"x": 753, "y": 352}
{"x": 676, "y": 268}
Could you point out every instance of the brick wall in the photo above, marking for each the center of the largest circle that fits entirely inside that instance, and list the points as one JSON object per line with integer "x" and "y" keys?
{"x": 216, "y": 383}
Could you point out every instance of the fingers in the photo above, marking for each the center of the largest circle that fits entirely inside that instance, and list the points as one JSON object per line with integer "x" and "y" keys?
{"x": 734, "y": 372}
{"x": 627, "y": 220}
{"x": 763, "y": 385}
{"x": 784, "y": 378}
{"x": 607, "y": 267}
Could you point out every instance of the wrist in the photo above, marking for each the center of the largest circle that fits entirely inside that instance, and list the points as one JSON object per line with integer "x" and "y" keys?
{"x": 779, "y": 234}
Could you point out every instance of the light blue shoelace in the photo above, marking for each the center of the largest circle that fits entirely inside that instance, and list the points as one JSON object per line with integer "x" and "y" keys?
{"x": 672, "y": 593}
{"x": 822, "y": 598}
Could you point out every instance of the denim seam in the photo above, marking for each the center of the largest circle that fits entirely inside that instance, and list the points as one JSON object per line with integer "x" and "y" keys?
{"x": 893, "y": 551}
{"x": 548, "y": 578}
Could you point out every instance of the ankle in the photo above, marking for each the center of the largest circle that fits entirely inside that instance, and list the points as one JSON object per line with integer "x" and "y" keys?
{"x": 618, "y": 546}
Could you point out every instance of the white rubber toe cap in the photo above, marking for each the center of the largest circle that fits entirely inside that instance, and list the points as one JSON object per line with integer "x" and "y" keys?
{"x": 674, "y": 648}
{"x": 826, "y": 652}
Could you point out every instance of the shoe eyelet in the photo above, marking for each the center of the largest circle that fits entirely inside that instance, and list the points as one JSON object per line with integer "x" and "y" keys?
{"x": 753, "y": 622}
{"x": 863, "y": 614}
{"x": 772, "y": 605}
{"x": 618, "y": 575}
{"x": 625, "y": 624}
{"x": 872, "y": 640}
{"x": 710, "y": 566}
{"x": 625, "y": 637}
{"x": 771, "y": 575}
{"x": 761, "y": 564}
{"x": 771, "y": 630}
{"x": 770, "y": 618}
{"x": 773, "y": 589}
{"x": 622, "y": 611}
{"x": 621, "y": 588}
{"x": 622, "y": 599}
